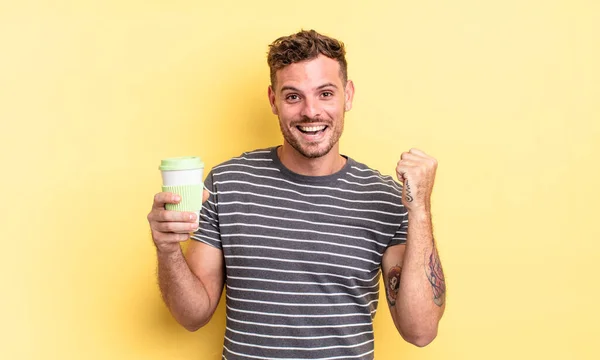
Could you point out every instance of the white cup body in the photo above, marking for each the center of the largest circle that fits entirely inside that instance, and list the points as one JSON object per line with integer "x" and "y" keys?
{"x": 182, "y": 177}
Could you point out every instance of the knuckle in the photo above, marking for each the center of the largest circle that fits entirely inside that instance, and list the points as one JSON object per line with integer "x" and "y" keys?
{"x": 158, "y": 227}
{"x": 169, "y": 238}
{"x": 163, "y": 214}
{"x": 169, "y": 227}
{"x": 166, "y": 238}
{"x": 157, "y": 236}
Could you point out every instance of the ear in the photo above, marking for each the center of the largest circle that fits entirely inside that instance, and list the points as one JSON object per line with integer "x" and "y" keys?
{"x": 272, "y": 100}
{"x": 348, "y": 95}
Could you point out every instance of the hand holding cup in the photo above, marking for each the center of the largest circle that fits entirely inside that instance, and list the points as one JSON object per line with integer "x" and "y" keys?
{"x": 176, "y": 210}
{"x": 170, "y": 227}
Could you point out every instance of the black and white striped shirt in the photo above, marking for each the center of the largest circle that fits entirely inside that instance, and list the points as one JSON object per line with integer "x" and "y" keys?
{"x": 302, "y": 255}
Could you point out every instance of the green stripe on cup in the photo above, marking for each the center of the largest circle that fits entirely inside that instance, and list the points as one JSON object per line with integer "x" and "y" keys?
{"x": 191, "y": 197}
{"x": 181, "y": 163}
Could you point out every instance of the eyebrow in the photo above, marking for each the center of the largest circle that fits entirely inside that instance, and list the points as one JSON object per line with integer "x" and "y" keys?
{"x": 287, "y": 87}
{"x": 327, "y": 85}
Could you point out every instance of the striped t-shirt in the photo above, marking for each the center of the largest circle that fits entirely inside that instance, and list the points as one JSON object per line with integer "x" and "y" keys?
{"x": 302, "y": 255}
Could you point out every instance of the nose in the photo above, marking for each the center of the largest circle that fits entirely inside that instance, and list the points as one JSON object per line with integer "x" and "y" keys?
{"x": 311, "y": 108}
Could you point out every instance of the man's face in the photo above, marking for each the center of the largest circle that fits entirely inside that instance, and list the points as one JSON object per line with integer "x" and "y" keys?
{"x": 310, "y": 100}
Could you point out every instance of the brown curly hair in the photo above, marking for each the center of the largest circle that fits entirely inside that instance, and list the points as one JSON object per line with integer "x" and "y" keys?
{"x": 305, "y": 45}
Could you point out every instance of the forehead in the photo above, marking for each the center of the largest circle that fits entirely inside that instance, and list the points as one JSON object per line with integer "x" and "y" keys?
{"x": 310, "y": 74}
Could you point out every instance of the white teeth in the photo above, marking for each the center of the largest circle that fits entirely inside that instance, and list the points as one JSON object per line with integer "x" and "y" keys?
{"x": 312, "y": 128}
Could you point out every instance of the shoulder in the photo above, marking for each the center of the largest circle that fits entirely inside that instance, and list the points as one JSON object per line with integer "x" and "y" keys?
{"x": 254, "y": 159}
{"x": 364, "y": 175}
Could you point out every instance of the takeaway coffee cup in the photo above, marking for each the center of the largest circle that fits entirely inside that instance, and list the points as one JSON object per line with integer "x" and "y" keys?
{"x": 184, "y": 176}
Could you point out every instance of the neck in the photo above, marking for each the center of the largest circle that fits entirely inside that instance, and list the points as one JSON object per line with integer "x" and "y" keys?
{"x": 327, "y": 164}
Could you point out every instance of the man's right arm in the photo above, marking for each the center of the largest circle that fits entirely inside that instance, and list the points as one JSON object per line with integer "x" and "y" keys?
{"x": 190, "y": 285}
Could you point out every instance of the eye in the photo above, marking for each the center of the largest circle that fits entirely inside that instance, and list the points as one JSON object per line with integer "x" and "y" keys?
{"x": 327, "y": 94}
{"x": 292, "y": 97}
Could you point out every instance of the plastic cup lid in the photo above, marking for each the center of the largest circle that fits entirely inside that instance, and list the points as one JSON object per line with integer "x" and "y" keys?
{"x": 181, "y": 163}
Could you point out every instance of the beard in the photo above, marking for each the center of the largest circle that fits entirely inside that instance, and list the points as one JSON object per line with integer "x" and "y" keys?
{"x": 312, "y": 150}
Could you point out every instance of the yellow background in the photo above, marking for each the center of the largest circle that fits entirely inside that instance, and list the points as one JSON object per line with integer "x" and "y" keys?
{"x": 504, "y": 93}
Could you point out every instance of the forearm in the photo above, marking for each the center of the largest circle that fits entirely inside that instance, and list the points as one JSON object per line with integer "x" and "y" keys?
{"x": 182, "y": 292}
{"x": 421, "y": 295}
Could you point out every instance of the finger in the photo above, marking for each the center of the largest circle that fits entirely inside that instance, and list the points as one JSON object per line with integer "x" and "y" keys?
{"x": 410, "y": 156}
{"x": 421, "y": 157}
{"x": 422, "y": 154}
{"x": 406, "y": 165}
{"x": 175, "y": 227}
{"x": 171, "y": 215}
{"x": 170, "y": 237}
{"x": 401, "y": 172}
{"x": 404, "y": 169}
{"x": 418, "y": 152}
{"x": 205, "y": 196}
{"x": 163, "y": 198}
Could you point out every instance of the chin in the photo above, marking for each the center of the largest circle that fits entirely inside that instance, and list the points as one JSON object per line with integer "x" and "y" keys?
{"x": 312, "y": 152}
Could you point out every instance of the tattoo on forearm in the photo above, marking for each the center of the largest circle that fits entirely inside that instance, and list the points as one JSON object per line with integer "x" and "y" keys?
{"x": 393, "y": 284}
{"x": 409, "y": 197}
{"x": 435, "y": 274}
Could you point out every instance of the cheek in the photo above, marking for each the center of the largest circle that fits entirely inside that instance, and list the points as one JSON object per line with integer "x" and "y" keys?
{"x": 333, "y": 114}
{"x": 334, "y": 109}
{"x": 288, "y": 112}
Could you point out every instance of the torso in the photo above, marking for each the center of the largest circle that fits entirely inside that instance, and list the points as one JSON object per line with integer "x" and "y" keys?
{"x": 302, "y": 256}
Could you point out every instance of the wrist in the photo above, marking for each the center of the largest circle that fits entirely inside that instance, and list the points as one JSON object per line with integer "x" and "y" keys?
{"x": 419, "y": 214}
{"x": 166, "y": 251}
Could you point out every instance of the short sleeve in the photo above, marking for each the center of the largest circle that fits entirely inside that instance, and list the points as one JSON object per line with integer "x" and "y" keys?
{"x": 399, "y": 237}
{"x": 209, "y": 231}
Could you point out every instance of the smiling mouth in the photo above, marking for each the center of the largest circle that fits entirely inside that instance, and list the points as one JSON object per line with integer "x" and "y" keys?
{"x": 311, "y": 130}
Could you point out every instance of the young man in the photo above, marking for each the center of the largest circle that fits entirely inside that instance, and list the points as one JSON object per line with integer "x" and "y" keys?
{"x": 299, "y": 233}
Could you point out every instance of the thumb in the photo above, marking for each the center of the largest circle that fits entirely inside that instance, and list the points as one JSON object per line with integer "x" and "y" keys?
{"x": 406, "y": 192}
{"x": 205, "y": 195}
{"x": 400, "y": 174}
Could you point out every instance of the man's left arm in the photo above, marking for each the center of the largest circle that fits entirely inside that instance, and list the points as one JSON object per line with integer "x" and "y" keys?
{"x": 414, "y": 280}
